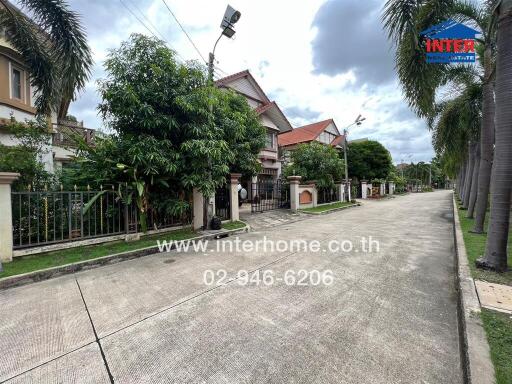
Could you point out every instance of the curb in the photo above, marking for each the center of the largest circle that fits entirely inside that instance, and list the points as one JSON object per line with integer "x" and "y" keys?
{"x": 477, "y": 367}
{"x": 331, "y": 210}
{"x": 50, "y": 273}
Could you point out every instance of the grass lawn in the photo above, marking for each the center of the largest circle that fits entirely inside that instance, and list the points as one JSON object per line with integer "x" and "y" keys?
{"x": 66, "y": 256}
{"x": 498, "y": 327}
{"x": 475, "y": 248}
{"x": 327, "y": 207}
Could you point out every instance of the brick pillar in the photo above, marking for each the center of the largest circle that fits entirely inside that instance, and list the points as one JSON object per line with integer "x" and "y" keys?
{"x": 6, "y": 241}
{"x": 349, "y": 189}
{"x": 294, "y": 192}
{"x": 364, "y": 189}
{"x": 197, "y": 203}
{"x": 233, "y": 196}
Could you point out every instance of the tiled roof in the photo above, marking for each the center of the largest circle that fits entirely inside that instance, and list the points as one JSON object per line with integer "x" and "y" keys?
{"x": 232, "y": 77}
{"x": 303, "y": 134}
{"x": 338, "y": 140}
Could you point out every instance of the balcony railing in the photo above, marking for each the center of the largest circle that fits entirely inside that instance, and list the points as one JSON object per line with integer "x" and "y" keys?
{"x": 69, "y": 134}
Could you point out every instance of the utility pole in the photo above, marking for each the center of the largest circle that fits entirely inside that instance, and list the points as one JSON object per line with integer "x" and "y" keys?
{"x": 346, "y": 162}
{"x": 358, "y": 121}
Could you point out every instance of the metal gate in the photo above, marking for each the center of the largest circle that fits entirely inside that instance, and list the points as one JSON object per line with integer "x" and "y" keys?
{"x": 270, "y": 194}
{"x": 222, "y": 202}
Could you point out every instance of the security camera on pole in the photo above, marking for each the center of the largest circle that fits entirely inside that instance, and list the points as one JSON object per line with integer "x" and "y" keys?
{"x": 231, "y": 16}
{"x": 358, "y": 121}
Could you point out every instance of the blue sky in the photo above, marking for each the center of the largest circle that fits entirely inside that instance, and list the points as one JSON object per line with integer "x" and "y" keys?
{"x": 318, "y": 59}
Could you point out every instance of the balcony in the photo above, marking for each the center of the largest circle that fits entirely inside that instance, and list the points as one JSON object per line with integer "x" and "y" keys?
{"x": 68, "y": 134}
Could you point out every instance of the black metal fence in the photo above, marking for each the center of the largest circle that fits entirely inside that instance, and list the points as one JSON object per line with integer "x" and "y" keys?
{"x": 222, "y": 202}
{"x": 270, "y": 194}
{"x": 328, "y": 195}
{"x": 355, "y": 192}
{"x": 43, "y": 218}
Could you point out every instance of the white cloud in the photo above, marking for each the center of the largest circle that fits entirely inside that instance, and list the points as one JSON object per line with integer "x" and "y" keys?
{"x": 274, "y": 40}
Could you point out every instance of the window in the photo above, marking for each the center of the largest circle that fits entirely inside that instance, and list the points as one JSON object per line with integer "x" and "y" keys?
{"x": 270, "y": 140}
{"x": 16, "y": 83}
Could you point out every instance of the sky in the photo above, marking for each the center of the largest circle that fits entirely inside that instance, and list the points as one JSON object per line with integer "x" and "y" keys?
{"x": 317, "y": 59}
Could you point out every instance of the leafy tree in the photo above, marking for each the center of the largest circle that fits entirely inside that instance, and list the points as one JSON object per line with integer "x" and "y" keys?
{"x": 317, "y": 162}
{"x": 172, "y": 131}
{"x": 54, "y": 48}
{"x": 25, "y": 158}
{"x": 368, "y": 160}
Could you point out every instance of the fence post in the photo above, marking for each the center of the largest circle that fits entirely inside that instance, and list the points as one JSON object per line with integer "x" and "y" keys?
{"x": 349, "y": 189}
{"x": 6, "y": 236}
{"x": 233, "y": 196}
{"x": 197, "y": 203}
{"x": 294, "y": 192}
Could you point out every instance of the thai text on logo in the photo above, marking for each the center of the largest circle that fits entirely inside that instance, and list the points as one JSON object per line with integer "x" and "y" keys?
{"x": 450, "y": 42}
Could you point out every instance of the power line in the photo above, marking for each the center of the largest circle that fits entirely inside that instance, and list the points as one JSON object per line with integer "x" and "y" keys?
{"x": 150, "y": 31}
{"x": 185, "y": 32}
{"x": 147, "y": 19}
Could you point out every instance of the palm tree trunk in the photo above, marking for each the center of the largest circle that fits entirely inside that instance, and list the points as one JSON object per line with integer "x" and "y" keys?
{"x": 474, "y": 183}
{"x": 469, "y": 176}
{"x": 495, "y": 257}
{"x": 486, "y": 145}
{"x": 462, "y": 180}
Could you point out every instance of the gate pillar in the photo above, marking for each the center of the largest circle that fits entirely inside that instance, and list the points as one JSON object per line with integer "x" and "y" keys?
{"x": 294, "y": 192}
{"x": 6, "y": 238}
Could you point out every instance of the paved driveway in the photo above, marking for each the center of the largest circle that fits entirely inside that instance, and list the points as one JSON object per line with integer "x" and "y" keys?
{"x": 388, "y": 317}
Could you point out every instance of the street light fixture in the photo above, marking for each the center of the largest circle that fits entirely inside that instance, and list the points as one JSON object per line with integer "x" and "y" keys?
{"x": 358, "y": 121}
{"x": 231, "y": 17}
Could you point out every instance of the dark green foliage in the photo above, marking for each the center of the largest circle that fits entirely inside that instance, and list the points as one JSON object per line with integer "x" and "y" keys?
{"x": 369, "y": 160}
{"x": 317, "y": 162}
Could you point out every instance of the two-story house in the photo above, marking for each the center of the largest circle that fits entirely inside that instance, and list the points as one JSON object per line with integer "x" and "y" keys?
{"x": 325, "y": 132}
{"x": 271, "y": 117}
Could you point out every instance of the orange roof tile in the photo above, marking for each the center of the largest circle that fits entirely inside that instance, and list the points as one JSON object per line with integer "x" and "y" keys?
{"x": 303, "y": 134}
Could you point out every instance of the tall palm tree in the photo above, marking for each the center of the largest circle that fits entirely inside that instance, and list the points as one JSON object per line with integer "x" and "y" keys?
{"x": 54, "y": 47}
{"x": 501, "y": 187}
{"x": 404, "y": 19}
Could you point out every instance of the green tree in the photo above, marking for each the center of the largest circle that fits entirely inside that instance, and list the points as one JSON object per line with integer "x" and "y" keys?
{"x": 172, "y": 131}
{"x": 317, "y": 162}
{"x": 369, "y": 160}
{"x": 25, "y": 158}
{"x": 501, "y": 191}
{"x": 404, "y": 21}
{"x": 54, "y": 48}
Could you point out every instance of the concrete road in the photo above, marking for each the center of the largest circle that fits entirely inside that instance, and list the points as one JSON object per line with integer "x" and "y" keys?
{"x": 389, "y": 316}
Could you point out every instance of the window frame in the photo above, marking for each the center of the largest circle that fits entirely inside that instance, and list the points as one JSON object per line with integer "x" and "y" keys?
{"x": 13, "y": 68}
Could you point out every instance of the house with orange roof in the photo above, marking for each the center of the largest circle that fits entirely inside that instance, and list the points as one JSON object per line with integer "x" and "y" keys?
{"x": 325, "y": 132}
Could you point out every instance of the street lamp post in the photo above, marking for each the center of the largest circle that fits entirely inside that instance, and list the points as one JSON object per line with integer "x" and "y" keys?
{"x": 358, "y": 121}
{"x": 231, "y": 16}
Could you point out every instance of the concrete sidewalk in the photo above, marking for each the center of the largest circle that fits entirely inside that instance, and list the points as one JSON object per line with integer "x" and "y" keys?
{"x": 389, "y": 316}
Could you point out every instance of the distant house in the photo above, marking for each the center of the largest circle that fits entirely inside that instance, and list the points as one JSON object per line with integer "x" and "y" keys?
{"x": 271, "y": 117}
{"x": 325, "y": 132}
{"x": 17, "y": 100}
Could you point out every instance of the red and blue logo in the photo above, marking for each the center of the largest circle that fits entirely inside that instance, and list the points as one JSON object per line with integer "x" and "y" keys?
{"x": 450, "y": 42}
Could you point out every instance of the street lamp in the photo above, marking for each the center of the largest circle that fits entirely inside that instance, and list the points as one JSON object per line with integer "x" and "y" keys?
{"x": 358, "y": 121}
{"x": 231, "y": 16}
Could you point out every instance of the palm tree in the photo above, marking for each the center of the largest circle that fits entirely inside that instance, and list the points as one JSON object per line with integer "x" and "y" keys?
{"x": 404, "y": 19}
{"x": 495, "y": 257}
{"x": 54, "y": 47}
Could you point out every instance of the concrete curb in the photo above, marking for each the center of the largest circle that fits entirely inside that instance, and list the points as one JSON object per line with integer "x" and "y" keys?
{"x": 49, "y": 273}
{"x": 476, "y": 361}
{"x": 330, "y": 210}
